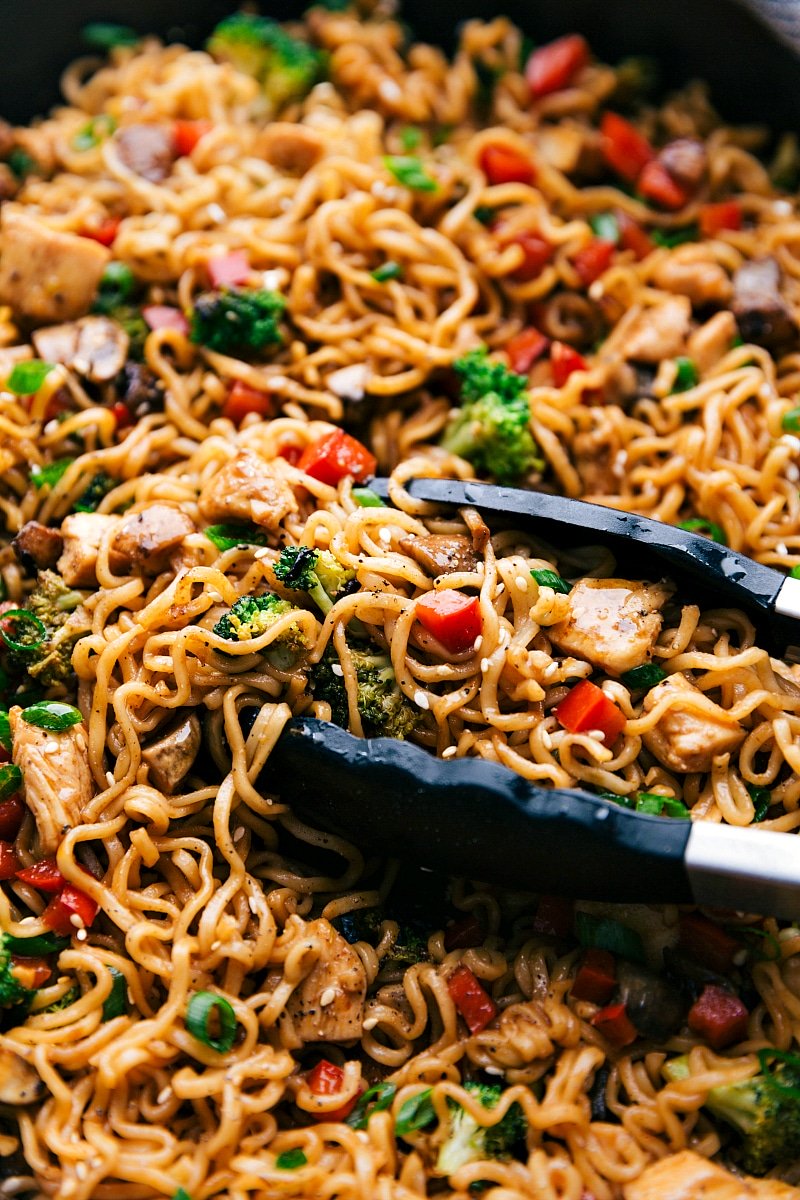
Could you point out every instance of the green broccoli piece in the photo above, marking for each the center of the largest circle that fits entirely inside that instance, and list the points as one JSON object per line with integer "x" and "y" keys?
{"x": 317, "y": 572}
{"x": 11, "y": 990}
{"x": 286, "y": 67}
{"x": 467, "y": 1141}
{"x": 237, "y": 320}
{"x": 765, "y": 1110}
{"x": 57, "y": 606}
{"x": 99, "y": 487}
{"x": 385, "y": 711}
{"x": 365, "y": 925}
{"x": 251, "y": 616}
{"x": 492, "y": 428}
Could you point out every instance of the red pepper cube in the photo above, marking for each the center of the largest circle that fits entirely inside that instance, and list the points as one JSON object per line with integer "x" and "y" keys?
{"x": 719, "y": 1017}
{"x": 336, "y": 456}
{"x": 12, "y": 811}
{"x": 228, "y": 270}
{"x": 165, "y": 316}
{"x": 587, "y": 708}
{"x": 615, "y": 1025}
{"x": 186, "y": 135}
{"x": 326, "y": 1079}
{"x": 475, "y": 1004}
{"x": 596, "y": 977}
{"x": 525, "y": 348}
{"x": 593, "y": 260}
{"x": 632, "y": 237}
{"x": 625, "y": 149}
{"x": 536, "y": 254}
{"x": 657, "y": 185}
{"x": 554, "y": 916}
{"x": 43, "y": 875}
{"x": 31, "y": 973}
{"x": 707, "y": 942}
{"x": 714, "y": 218}
{"x": 452, "y": 617}
{"x": 242, "y": 400}
{"x": 9, "y": 863}
{"x": 69, "y": 911}
{"x": 564, "y": 360}
{"x": 503, "y": 164}
{"x": 555, "y": 65}
{"x": 105, "y": 232}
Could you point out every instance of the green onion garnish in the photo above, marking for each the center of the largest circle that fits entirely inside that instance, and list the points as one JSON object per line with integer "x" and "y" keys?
{"x": 604, "y": 933}
{"x": 410, "y": 137}
{"x": 116, "y": 1002}
{"x": 33, "y": 947}
{"x": 50, "y": 473}
{"x": 658, "y": 806}
{"x": 181, "y": 1194}
{"x": 5, "y": 730}
{"x": 762, "y": 800}
{"x": 645, "y": 676}
{"x": 794, "y": 573}
{"x": 623, "y": 801}
{"x": 375, "y": 1099}
{"x": 10, "y": 779}
{"x": 28, "y": 377}
{"x": 686, "y": 375}
{"x": 52, "y": 714}
{"x": 389, "y": 270}
{"x": 546, "y": 578}
{"x": 675, "y": 237}
{"x": 605, "y": 226}
{"x": 117, "y": 285}
{"x": 31, "y": 629}
{"x": 411, "y": 172}
{"x": 366, "y": 498}
{"x": 203, "y": 1008}
{"x": 707, "y": 528}
{"x": 94, "y": 132}
{"x": 226, "y": 537}
{"x": 104, "y": 35}
{"x": 415, "y": 1113}
{"x": 290, "y": 1160}
{"x": 790, "y": 421}
{"x": 21, "y": 163}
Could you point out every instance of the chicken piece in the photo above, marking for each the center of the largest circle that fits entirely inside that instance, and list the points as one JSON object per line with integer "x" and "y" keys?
{"x": 712, "y": 341}
{"x": 659, "y": 331}
{"x": 290, "y": 147}
{"x": 19, "y": 1081}
{"x": 441, "y": 553}
{"x": 10, "y": 356}
{"x": 170, "y": 758}
{"x": 37, "y": 546}
{"x": 147, "y": 150}
{"x": 690, "y": 271}
{"x": 146, "y": 540}
{"x": 95, "y": 347}
{"x": 686, "y": 161}
{"x": 762, "y": 314}
{"x": 612, "y": 623}
{"x": 690, "y": 1176}
{"x": 46, "y": 275}
{"x": 247, "y": 489}
{"x": 595, "y": 453}
{"x": 687, "y": 738}
{"x": 82, "y": 533}
{"x": 56, "y": 776}
{"x": 328, "y": 1005}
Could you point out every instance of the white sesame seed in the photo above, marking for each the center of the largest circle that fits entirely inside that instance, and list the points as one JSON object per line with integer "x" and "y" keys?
{"x": 782, "y": 208}
{"x": 51, "y": 748}
{"x": 521, "y": 583}
{"x": 597, "y": 734}
{"x": 484, "y": 665}
{"x": 781, "y": 548}
{"x": 765, "y": 391}
{"x": 449, "y": 752}
{"x": 110, "y": 780}
{"x": 262, "y": 553}
{"x": 547, "y": 741}
{"x": 793, "y": 472}
{"x": 337, "y": 669}
{"x": 272, "y": 280}
{"x": 349, "y": 383}
{"x": 505, "y": 638}
{"x": 216, "y": 212}
{"x": 237, "y": 837}
{"x": 389, "y": 91}
{"x": 421, "y": 700}
{"x": 327, "y": 997}
{"x": 217, "y": 945}
{"x": 214, "y": 596}
{"x": 164, "y": 1095}
{"x": 550, "y": 670}
{"x": 81, "y": 935}
{"x": 65, "y": 793}
{"x": 251, "y": 904}
{"x": 81, "y": 1170}
{"x": 385, "y": 535}
{"x": 76, "y": 920}
{"x": 501, "y": 587}
{"x": 370, "y": 1023}
{"x": 476, "y": 645}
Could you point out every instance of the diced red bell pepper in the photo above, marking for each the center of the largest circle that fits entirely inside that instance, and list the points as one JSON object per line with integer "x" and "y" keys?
{"x": 632, "y": 236}
{"x": 525, "y": 348}
{"x": 30, "y": 972}
{"x": 475, "y": 1004}
{"x": 243, "y": 400}
{"x": 105, "y": 232}
{"x": 615, "y": 1025}
{"x": 228, "y": 270}
{"x": 164, "y": 316}
{"x": 336, "y": 456}
{"x": 707, "y": 942}
{"x": 727, "y": 214}
{"x": 564, "y": 360}
{"x": 70, "y": 902}
{"x": 9, "y": 863}
{"x": 625, "y": 149}
{"x": 504, "y": 164}
{"x": 122, "y": 414}
{"x": 554, "y": 916}
{"x": 657, "y": 185}
{"x": 593, "y": 260}
{"x": 292, "y": 454}
{"x": 596, "y": 977}
{"x": 718, "y": 1016}
{"x": 12, "y": 811}
{"x": 452, "y": 617}
{"x": 536, "y": 254}
{"x": 555, "y": 65}
{"x": 463, "y": 934}
{"x": 186, "y": 135}
{"x": 44, "y": 876}
{"x": 586, "y": 707}
{"x": 326, "y": 1079}
{"x": 5, "y": 755}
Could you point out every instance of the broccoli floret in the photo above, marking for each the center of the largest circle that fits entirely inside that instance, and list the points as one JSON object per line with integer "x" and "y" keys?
{"x": 251, "y": 616}
{"x": 237, "y": 320}
{"x": 492, "y": 428}
{"x": 99, "y": 487}
{"x": 365, "y": 925}
{"x": 57, "y": 606}
{"x": 761, "y": 1109}
{"x": 317, "y": 572}
{"x": 385, "y": 711}
{"x": 467, "y": 1141}
{"x": 286, "y": 67}
{"x": 11, "y": 990}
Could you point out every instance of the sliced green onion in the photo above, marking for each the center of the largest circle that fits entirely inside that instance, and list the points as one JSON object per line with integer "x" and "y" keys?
{"x": 33, "y": 947}
{"x": 793, "y": 1060}
{"x": 366, "y": 498}
{"x": 226, "y": 537}
{"x": 50, "y": 474}
{"x": 52, "y": 714}
{"x": 181, "y": 1194}
{"x": 410, "y": 137}
{"x": 645, "y": 676}
{"x": 762, "y": 800}
{"x": 375, "y": 1099}
{"x": 410, "y": 171}
{"x": 202, "y": 1009}
{"x": 389, "y": 270}
{"x": 604, "y": 933}
{"x": 656, "y": 806}
{"x": 21, "y": 163}
{"x": 105, "y": 35}
{"x": 290, "y": 1160}
{"x": 605, "y": 226}
{"x": 546, "y": 578}
{"x": 769, "y": 939}
{"x": 117, "y": 285}
{"x": 686, "y": 376}
{"x": 790, "y": 421}
{"x": 28, "y": 377}
{"x": 737, "y": 341}
{"x": 675, "y": 237}
{"x": 794, "y": 573}
{"x": 5, "y": 730}
{"x": 116, "y": 1002}
{"x": 10, "y": 779}
{"x": 25, "y": 619}
{"x": 415, "y": 1113}
{"x": 622, "y": 801}
{"x": 485, "y": 214}
{"x": 94, "y": 132}
{"x": 708, "y": 528}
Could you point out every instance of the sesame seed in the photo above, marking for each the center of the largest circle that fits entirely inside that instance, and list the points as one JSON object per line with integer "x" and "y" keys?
{"x": 477, "y": 643}
{"x": 327, "y": 997}
{"x": 484, "y": 665}
{"x": 217, "y": 945}
{"x": 263, "y": 552}
{"x": 421, "y": 700}
{"x": 550, "y": 670}
{"x": 251, "y": 904}
{"x": 504, "y": 638}
{"x": 81, "y": 935}
{"x": 389, "y": 91}
{"x": 237, "y": 837}
{"x": 337, "y": 669}
{"x": 215, "y": 212}
{"x": 521, "y": 583}
{"x": 501, "y": 587}
{"x": 449, "y": 752}
{"x": 782, "y": 208}
{"x": 493, "y": 1071}
{"x": 81, "y": 1170}
{"x": 781, "y": 548}
{"x": 788, "y": 439}
{"x": 370, "y": 1023}
{"x": 65, "y": 793}
{"x": 214, "y": 596}
{"x": 110, "y": 780}
{"x": 547, "y": 741}
{"x": 76, "y": 920}
{"x": 164, "y": 1095}
{"x": 385, "y": 535}
{"x": 793, "y": 472}
{"x": 51, "y": 748}
{"x": 597, "y": 734}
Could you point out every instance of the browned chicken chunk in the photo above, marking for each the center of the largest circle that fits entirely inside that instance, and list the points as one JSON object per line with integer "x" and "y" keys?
{"x": 328, "y": 1006}
{"x": 170, "y": 758}
{"x": 82, "y": 533}
{"x": 612, "y": 623}
{"x": 247, "y": 489}
{"x": 441, "y": 553}
{"x": 762, "y": 314}
{"x": 691, "y": 271}
{"x": 688, "y": 736}
{"x": 659, "y": 331}
{"x": 147, "y": 150}
{"x": 290, "y": 147}
{"x": 690, "y": 1176}
{"x": 46, "y": 275}
{"x": 145, "y": 540}
{"x": 19, "y": 1081}
{"x": 37, "y": 546}
{"x": 96, "y": 347}
{"x": 56, "y": 775}
{"x": 712, "y": 341}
